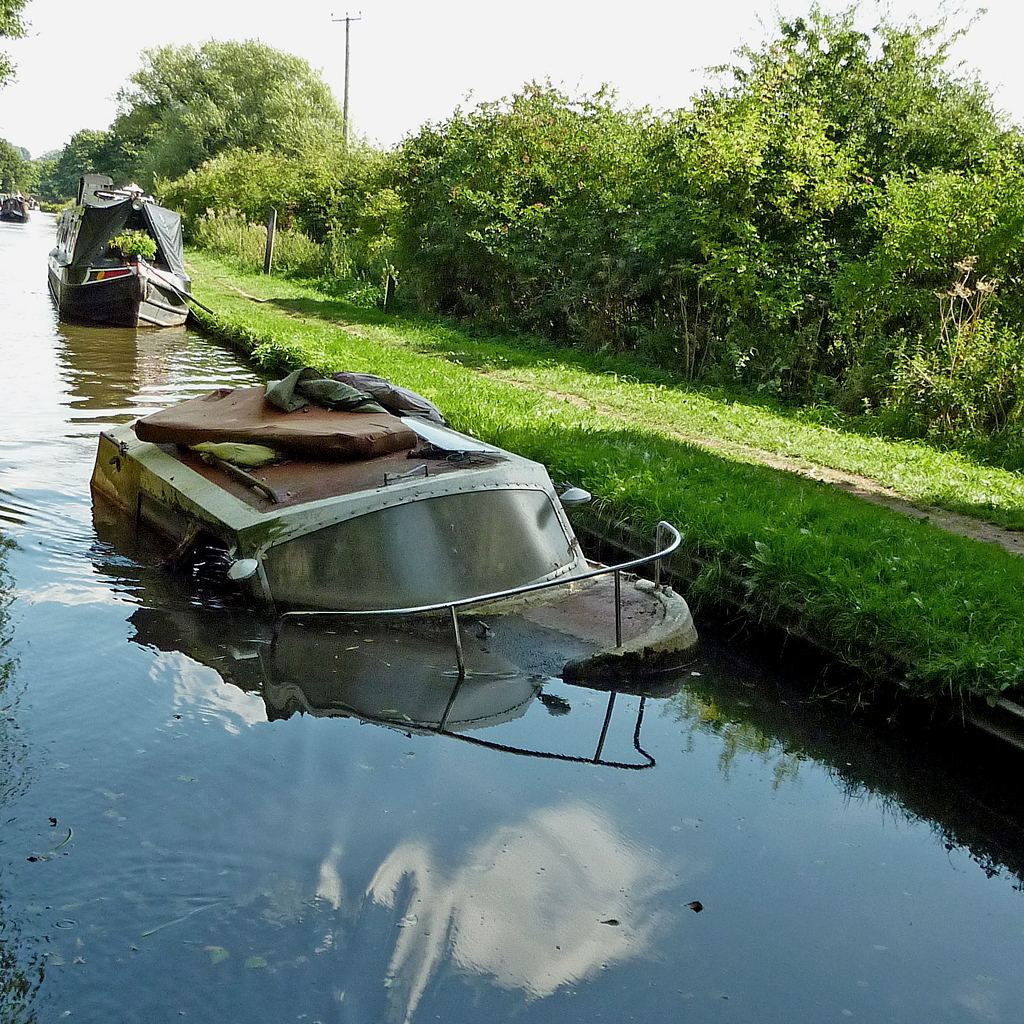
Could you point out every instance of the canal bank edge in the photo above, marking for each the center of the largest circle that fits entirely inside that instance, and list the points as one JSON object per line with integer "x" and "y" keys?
{"x": 881, "y": 653}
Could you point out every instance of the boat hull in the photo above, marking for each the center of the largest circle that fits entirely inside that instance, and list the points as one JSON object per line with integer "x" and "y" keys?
{"x": 14, "y": 209}
{"x": 100, "y": 271}
{"x": 134, "y": 299}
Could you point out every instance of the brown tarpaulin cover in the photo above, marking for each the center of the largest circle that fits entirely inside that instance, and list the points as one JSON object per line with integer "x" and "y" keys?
{"x": 243, "y": 414}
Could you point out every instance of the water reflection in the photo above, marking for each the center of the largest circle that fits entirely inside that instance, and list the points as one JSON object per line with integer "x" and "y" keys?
{"x": 408, "y": 682}
{"x": 286, "y": 862}
{"x": 114, "y": 374}
{"x": 21, "y": 974}
{"x": 104, "y": 368}
{"x": 921, "y": 766}
{"x": 532, "y": 904}
{"x": 401, "y": 678}
{"x": 535, "y": 905}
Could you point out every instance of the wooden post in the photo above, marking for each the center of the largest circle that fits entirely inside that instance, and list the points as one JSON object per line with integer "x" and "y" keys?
{"x": 268, "y": 259}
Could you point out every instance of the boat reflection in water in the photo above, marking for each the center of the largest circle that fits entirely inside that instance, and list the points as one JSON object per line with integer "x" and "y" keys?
{"x": 404, "y": 678}
{"x": 413, "y": 673}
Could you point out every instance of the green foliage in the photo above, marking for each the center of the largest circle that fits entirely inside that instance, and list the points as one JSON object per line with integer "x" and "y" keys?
{"x": 887, "y": 315}
{"x": 86, "y": 151}
{"x": 14, "y": 171}
{"x": 186, "y": 105}
{"x": 785, "y": 235}
{"x": 246, "y": 182}
{"x": 240, "y": 240}
{"x": 336, "y": 200}
{"x": 346, "y": 202}
{"x": 11, "y": 26}
{"x": 526, "y": 212}
{"x": 782, "y": 169}
{"x": 971, "y": 379}
{"x": 131, "y": 243}
{"x": 727, "y": 242}
{"x": 45, "y": 172}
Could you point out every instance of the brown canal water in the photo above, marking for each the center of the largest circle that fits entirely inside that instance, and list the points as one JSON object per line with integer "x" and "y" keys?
{"x": 177, "y": 842}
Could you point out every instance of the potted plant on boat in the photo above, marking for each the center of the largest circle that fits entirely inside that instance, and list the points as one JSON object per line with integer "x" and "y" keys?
{"x": 134, "y": 245}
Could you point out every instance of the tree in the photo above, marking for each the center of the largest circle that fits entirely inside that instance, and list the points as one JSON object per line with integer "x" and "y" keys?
{"x": 12, "y": 168}
{"x": 78, "y": 157}
{"x": 186, "y": 105}
{"x": 887, "y": 94}
{"x": 46, "y": 170}
{"x": 11, "y": 26}
{"x": 779, "y": 173}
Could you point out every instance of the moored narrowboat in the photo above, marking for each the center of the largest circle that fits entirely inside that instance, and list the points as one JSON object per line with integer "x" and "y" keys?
{"x": 119, "y": 259}
{"x": 15, "y": 208}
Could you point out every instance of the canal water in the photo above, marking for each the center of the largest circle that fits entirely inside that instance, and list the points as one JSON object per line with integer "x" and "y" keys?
{"x": 188, "y": 833}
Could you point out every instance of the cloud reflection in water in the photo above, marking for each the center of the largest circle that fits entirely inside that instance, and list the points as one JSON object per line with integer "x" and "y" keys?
{"x": 535, "y": 906}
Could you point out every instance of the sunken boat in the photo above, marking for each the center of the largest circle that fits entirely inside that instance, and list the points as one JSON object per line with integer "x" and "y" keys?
{"x": 362, "y": 501}
{"x": 119, "y": 259}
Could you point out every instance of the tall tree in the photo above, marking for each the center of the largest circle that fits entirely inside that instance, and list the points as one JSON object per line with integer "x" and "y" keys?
{"x": 78, "y": 157}
{"x": 780, "y": 172}
{"x": 12, "y": 168}
{"x": 186, "y": 105}
{"x": 10, "y": 25}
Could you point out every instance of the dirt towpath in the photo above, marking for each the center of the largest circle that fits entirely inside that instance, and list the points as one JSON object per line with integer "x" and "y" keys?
{"x": 861, "y": 486}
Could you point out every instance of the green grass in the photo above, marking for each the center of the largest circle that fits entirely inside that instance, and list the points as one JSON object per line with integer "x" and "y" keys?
{"x": 738, "y": 429}
{"x": 896, "y": 597}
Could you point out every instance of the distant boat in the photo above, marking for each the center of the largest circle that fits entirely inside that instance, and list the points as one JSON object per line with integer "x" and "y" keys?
{"x": 14, "y": 208}
{"x": 99, "y": 271}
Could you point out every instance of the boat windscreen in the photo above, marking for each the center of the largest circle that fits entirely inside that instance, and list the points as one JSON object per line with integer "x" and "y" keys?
{"x": 166, "y": 227}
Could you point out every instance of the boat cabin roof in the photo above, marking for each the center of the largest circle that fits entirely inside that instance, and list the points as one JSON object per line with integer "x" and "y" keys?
{"x": 325, "y": 453}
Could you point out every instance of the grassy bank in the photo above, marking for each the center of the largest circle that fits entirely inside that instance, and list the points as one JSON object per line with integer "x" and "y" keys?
{"x": 897, "y": 598}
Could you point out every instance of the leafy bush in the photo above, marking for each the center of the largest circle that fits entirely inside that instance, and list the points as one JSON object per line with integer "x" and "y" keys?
{"x": 243, "y": 181}
{"x": 786, "y": 235}
{"x": 970, "y": 379}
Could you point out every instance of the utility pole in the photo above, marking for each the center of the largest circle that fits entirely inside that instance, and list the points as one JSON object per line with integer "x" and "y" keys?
{"x": 344, "y": 112}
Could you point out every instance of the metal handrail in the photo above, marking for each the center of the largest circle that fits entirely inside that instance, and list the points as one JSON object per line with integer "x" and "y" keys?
{"x": 528, "y": 588}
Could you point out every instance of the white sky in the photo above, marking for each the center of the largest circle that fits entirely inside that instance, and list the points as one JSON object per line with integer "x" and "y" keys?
{"x": 414, "y": 62}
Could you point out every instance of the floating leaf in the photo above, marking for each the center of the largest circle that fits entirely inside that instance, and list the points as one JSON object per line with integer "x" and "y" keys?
{"x": 255, "y": 961}
{"x": 218, "y": 954}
